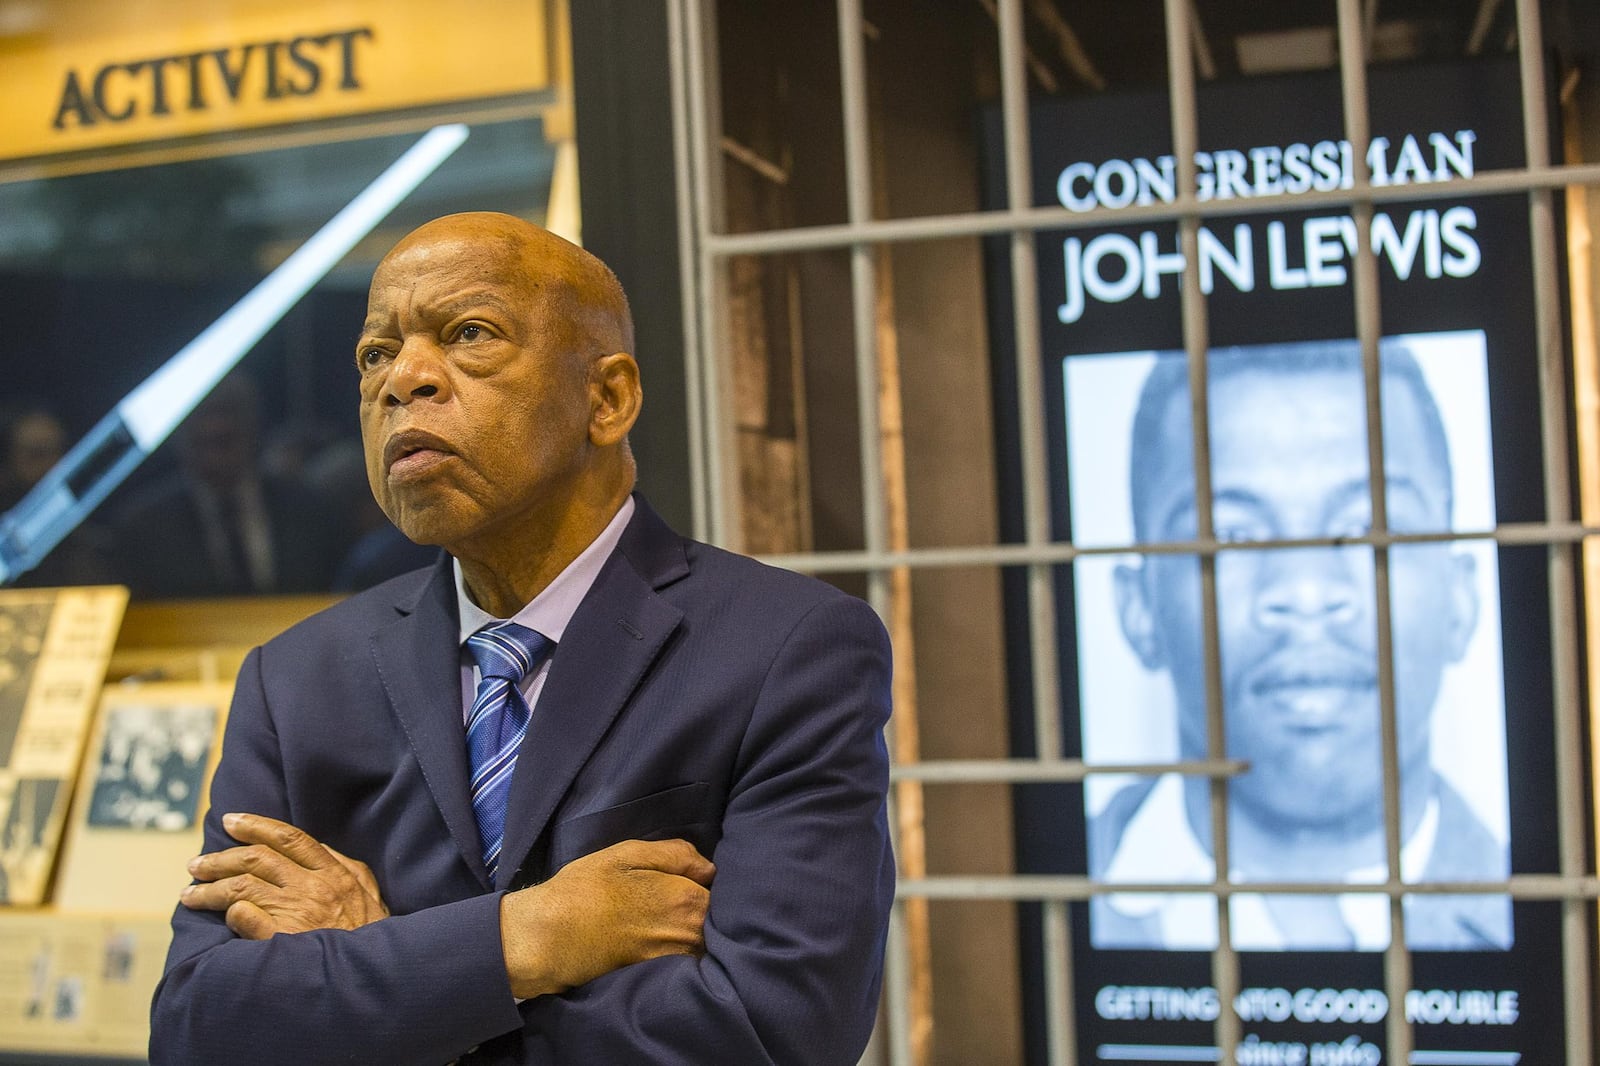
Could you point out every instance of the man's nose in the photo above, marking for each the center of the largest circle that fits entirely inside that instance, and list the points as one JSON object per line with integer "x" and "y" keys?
{"x": 1308, "y": 586}
{"x": 417, "y": 373}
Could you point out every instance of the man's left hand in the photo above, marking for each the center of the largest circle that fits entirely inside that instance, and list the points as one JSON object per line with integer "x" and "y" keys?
{"x": 282, "y": 881}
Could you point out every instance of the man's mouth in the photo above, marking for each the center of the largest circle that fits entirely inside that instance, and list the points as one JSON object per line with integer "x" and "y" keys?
{"x": 413, "y": 450}
{"x": 1315, "y": 694}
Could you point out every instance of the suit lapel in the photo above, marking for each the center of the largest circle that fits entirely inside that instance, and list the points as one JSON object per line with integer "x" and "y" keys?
{"x": 419, "y": 662}
{"x": 616, "y": 634}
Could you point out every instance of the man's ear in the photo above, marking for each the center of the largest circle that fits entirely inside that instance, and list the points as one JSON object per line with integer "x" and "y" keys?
{"x": 1463, "y": 602}
{"x": 1134, "y": 612}
{"x": 615, "y": 398}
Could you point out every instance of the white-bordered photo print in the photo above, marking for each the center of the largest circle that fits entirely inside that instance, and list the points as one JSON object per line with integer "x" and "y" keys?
{"x": 1297, "y": 635}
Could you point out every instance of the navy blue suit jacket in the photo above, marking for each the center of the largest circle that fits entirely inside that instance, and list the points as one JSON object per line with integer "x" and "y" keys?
{"x": 696, "y": 694}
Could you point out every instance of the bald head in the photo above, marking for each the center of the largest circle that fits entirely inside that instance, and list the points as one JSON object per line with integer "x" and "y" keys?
{"x": 576, "y": 291}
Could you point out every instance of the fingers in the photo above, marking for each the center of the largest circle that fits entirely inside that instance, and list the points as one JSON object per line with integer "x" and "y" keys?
{"x": 630, "y": 902}
{"x": 249, "y": 922}
{"x": 256, "y": 860}
{"x": 309, "y": 903}
{"x": 669, "y": 856}
{"x": 358, "y": 869}
{"x": 281, "y": 837}
{"x": 222, "y": 895}
{"x": 281, "y": 880}
{"x": 683, "y": 929}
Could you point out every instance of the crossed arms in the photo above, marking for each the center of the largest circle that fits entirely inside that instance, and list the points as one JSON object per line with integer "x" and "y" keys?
{"x": 633, "y": 901}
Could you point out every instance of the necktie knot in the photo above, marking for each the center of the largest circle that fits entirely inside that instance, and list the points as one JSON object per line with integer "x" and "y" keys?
{"x": 507, "y": 651}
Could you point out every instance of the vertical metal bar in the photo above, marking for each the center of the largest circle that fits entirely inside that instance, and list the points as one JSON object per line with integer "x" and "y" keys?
{"x": 1059, "y": 994}
{"x": 1562, "y": 563}
{"x": 1353, "y": 46}
{"x": 863, "y": 306}
{"x": 1061, "y": 1047}
{"x": 1184, "y": 112}
{"x": 899, "y": 995}
{"x": 689, "y": 263}
{"x": 897, "y": 986}
{"x": 1585, "y": 363}
{"x": 719, "y": 506}
{"x": 1030, "y": 386}
{"x": 863, "y": 287}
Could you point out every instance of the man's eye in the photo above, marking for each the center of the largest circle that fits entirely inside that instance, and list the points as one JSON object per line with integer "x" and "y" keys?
{"x": 1232, "y": 528}
{"x": 1351, "y": 522}
{"x": 469, "y": 332}
{"x": 368, "y": 358}
{"x": 1351, "y": 527}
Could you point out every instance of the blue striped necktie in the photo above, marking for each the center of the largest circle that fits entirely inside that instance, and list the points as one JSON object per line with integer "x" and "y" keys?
{"x": 498, "y": 721}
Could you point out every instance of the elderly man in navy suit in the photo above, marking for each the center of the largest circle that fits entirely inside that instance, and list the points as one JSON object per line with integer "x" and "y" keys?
{"x": 583, "y": 792}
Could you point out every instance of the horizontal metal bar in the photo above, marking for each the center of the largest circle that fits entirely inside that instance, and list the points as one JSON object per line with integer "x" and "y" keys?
{"x": 970, "y": 771}
{"x": 1051, "y": 886}
{"x": 1515, "y": 534}
{"x": 985, "y": 223}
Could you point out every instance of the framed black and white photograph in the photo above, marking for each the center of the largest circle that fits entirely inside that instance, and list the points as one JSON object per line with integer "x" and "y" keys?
{"x": 1297, "y": 636}
{"x": 142, "y": 797}
{"x": 151, "y": 763}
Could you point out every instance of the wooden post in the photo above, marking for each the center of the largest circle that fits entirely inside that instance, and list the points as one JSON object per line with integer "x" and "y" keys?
{"x": 1586, "y": 392}
{"x": 911, "y": 844}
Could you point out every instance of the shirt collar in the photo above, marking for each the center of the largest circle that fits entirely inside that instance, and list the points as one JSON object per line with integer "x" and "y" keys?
{"x": 552, "y": 609}
{"x": 1160, "y": 846}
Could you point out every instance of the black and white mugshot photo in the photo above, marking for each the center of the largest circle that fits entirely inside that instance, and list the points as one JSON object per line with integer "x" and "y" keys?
{"x": 1298, "y": 641}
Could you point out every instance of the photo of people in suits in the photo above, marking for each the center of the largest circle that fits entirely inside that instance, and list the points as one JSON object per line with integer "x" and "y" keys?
{"x": 150, "y": 766}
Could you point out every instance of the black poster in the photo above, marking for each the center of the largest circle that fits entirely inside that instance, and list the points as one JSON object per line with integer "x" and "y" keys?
{"x": 1297, "y": 626}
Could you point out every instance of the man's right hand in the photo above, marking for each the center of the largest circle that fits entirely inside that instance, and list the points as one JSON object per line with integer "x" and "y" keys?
{"x": 633, "y": 901}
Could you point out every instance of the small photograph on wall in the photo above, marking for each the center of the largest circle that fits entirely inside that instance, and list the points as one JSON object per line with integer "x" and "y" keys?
{"x": 142, "y": 797}
{"x": 26, "y": 843}
{"x": 150, "y": 766}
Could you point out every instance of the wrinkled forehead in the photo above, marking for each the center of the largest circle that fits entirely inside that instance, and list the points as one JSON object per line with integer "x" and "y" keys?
{"x": 424, "y": 284}
{"x": 564, "y": 289}
{"x": 451, "y": 257}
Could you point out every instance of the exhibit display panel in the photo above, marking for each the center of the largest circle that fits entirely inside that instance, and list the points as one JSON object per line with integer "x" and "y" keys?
{"x": 85, "y": 955}
{"x": 1290, "y": 565}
